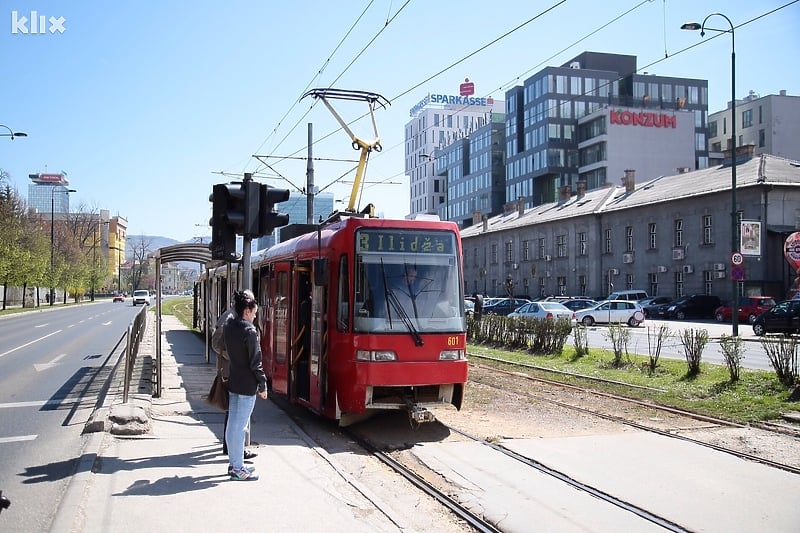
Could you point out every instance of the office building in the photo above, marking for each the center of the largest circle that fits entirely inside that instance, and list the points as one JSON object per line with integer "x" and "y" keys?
{"x": 438, "y": 121}
{"x": 48, "y": 193}
{"x": 770, "y": 123}
{"x": 296, "y": 208}
{"x": 543, "y": 117}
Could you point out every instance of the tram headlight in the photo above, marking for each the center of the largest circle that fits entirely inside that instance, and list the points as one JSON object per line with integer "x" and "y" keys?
{"x": 375, "y": 355}
{"x": 451, "y": 355}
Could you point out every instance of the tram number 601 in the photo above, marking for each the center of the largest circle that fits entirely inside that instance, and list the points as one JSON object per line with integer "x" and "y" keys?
{"x": 452, "y": 341}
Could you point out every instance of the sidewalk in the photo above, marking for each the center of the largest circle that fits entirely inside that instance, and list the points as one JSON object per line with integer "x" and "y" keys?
{"x": 174, "y": 478}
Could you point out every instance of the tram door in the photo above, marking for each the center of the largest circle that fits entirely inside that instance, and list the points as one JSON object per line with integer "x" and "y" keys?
{"x": 281, "y": 327}
{"x": 301, "y": 337}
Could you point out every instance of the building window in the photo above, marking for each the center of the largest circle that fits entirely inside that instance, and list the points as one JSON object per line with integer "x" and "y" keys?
{"x": 607, "y": 241}
{"x": 651, "y": 233}
{"x": 510, "y": 252}
{"x": 747, "y": 118}
{"x": 653, "y": 279}
{"x": 541, "y": 286}
{"x": 708, "y": 283}
{"x": 582, "y": 243}
{"x": 678, "y": 232}
{"x": 716, "y": 147}
{"x": 678, "y": 284}
{"x": 494, "y": 254}
{"x": 628, "y": 238}
{"x": 561, "y": 245}
{"x": 562, "y": 285}
{"x": 712, "y": 129}
{"x": 629, "y": 281}
{"x": 708, "y": 229}
{"x": 474, "y": 257}
{"x": 526, "y": 250}
{"x": 582, "y": 284}
{"x": 762, "y": 138}
{"x": 760, "y": 115}
{"x": 541, "y": 249}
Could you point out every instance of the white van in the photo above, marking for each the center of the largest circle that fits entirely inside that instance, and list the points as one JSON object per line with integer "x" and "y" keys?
{"x": 141, "y": 297}
{"x": 633, "y": 295}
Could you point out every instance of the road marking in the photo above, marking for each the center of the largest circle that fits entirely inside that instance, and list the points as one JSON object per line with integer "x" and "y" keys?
{"x": 21, "y": 438}
{"x": 44, "y": 366}
{"x": 29, "y": 343}
{"x": 40, "y": 403}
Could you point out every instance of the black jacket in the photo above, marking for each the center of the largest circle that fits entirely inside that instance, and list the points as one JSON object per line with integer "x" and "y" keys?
{"x": 244, "y": 352}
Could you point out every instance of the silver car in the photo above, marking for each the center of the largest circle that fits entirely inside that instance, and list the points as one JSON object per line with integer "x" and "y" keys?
{"x": 544, "y": 310}
{"x": 612, "y": 312}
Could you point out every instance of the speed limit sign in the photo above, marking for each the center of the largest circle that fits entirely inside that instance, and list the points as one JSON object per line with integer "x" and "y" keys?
{"x": 737, "y": 259}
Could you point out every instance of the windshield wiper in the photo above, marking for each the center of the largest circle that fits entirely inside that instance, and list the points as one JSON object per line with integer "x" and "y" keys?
{"x": 391, "y": 298}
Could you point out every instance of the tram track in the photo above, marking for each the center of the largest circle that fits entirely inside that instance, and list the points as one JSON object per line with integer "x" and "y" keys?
{"x": 673, "y": 432}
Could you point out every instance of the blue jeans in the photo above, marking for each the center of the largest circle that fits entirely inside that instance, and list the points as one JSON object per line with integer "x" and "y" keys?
{"x": 239, "y": 410}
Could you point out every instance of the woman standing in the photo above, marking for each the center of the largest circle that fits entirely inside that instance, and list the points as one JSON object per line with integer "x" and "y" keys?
{"x": 246, "y": 379}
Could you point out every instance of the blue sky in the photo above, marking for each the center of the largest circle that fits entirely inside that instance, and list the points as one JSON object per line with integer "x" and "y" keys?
{"x": 145, "y": 103}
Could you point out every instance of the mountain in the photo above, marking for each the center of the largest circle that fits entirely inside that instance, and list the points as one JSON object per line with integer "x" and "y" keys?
{"x": 155, "y": 242}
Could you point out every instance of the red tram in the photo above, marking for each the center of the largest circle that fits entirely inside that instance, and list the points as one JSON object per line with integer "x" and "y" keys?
{"x": 365, "y": 314}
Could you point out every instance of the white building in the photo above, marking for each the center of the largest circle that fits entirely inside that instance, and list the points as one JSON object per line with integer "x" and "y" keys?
{"x": 654, "y": 142}
{"x": 437, "y": 121}
{"x": 770, "y": 123}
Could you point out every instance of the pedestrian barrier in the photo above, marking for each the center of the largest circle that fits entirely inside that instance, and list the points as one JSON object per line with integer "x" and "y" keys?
{"x": 134, "y": 334}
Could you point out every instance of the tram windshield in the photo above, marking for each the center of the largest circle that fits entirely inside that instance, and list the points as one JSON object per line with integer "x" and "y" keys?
{"x": 407, "y": 281}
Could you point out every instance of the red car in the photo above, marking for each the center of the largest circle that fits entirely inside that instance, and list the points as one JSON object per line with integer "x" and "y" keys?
{"x": 118, "y": 298}
{"x": 749, "y": 308}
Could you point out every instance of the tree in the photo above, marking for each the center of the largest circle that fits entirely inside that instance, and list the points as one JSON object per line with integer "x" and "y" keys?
{"x": 140, "y": 272}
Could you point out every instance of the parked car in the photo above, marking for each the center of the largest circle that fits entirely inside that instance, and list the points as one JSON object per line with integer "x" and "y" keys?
{"x": 635, "y": 295}
{"x": 749, "y": 308}
{"x": 544, "y": 310}
{"x": 656, "y": 307}
{"x": 118, "y": 298}
{"x": 503, "y": 306}
{"x": 612, "y": 312}
{"x": 576, "y": 304}
{"x": 783, "y": 317}
{"x": 696, "y": 306}
{"x": 469, "y": 307}
{"x": 141, "y": 297}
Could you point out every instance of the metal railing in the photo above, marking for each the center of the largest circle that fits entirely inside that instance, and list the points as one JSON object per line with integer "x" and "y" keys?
{"x": 134, "y": 337}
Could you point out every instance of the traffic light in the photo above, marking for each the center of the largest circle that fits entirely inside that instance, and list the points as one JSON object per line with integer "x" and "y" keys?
{"x": 223, "y": 235}
{"x": 268, "y": 218}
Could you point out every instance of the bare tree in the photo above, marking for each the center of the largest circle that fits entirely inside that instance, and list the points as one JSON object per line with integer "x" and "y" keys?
{"x": 141, "y": 276}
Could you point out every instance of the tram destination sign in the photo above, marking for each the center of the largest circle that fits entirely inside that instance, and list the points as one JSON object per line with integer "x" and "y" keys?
{"x": 403, "y": 242}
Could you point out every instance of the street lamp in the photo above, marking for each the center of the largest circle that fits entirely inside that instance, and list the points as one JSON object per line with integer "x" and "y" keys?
{"x": 52, "y": 236}
{"x": 734, "y": 214}
{"x": 11, "y": 133}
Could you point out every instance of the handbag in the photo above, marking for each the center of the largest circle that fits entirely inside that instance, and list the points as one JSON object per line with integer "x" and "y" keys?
{"x": 218, "y": 395}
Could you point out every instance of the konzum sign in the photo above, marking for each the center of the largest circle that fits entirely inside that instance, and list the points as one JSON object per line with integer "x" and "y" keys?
{"x": 644, "y": 118}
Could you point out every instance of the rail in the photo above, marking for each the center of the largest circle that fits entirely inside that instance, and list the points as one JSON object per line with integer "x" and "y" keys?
{"x": 134, "y": 337}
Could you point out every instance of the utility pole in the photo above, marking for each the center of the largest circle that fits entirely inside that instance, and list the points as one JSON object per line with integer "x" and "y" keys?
{"x": 310, "y": 177}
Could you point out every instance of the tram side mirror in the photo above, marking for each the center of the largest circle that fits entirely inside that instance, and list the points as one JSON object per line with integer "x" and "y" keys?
{"x": 320, "y": 272}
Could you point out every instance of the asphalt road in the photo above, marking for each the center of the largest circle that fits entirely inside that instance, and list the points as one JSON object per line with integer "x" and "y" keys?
{"x": 54, "y": 364}
{"x": 754, "y": 356}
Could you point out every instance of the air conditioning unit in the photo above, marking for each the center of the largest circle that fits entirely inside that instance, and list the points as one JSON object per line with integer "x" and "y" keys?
{"x": 719, "y": 266}
{"x": 720, "y": 275}
{"x": 677, "y": 254}
{"x": 688, "y": 269}
{"x": 662, "y": 269}
{"x": 614, "y": 272}
{"x": 548, "y": 258}
{"x": 547, "y": 273}
{"x": 627, "y": 258}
